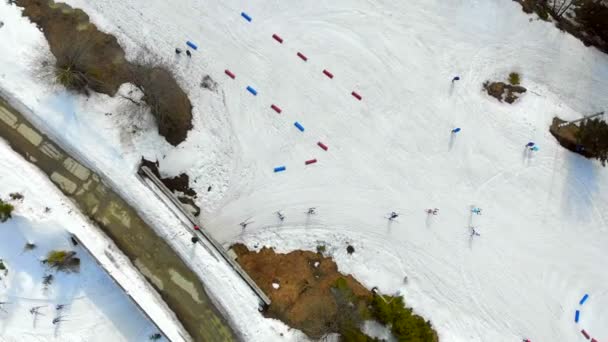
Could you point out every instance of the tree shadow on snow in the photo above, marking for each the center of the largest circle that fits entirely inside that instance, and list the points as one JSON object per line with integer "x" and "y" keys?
{"x": 579, "y": 187}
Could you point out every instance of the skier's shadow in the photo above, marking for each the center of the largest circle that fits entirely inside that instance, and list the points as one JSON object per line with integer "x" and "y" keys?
{"x": 389, "y": 226}
{"x": 451, "y": 142}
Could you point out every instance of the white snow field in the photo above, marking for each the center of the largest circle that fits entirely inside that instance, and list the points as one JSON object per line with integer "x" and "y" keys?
{"x": 543, "y": 229}
{"x": 95, "y": 308}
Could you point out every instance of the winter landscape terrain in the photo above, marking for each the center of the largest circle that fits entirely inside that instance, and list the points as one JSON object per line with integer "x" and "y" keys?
{"x": 81, "y": 306}
{"x": 544, "y": 225}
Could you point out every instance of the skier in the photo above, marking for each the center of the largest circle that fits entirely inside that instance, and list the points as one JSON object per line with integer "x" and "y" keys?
{"x": 34, "y": 311}
{"x": 188, "y": 53}
{"x": 243, "y": 224}
{"x": 456, "y": 130}
{"x": 311, "y": 211}
{"x": 456, "y": 78}
{"x": 476, "y": 211}
{"x": 57, "y": 319}
{"x": 474, "y": 232}
{"x": 435, "y": 211}
{"x": 534, "y": 148}
{"x": 530, "y": 144}
{"x": 197, "y": 228}
{"x": 281, "y": 216}
{"x": 178, "y": 51}
{"x": 393, "y": 216}
{"x": 194, "y": 239}
{"x": 59, "y": 307}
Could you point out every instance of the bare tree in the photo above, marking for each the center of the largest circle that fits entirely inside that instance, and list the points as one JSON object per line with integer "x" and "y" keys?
{"x": 560, "y": 7}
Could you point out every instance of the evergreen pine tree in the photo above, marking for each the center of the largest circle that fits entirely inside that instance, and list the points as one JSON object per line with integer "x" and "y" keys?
{"x": 593, "y": 136}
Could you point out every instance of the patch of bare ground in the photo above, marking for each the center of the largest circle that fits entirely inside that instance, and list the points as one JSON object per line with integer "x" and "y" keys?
{"x": 180, "y": 185}
{"x": 566, "y": 136}
{"x": 87, "y": 59}
{"x": 503, "y": 91}
{"x": 310, "y": 294}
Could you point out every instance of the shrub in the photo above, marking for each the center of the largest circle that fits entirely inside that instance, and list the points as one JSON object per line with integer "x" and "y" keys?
{"x": 321, "y": 249}
{"x": 2, "y": 266}
{"x": 63, "y": 260}
{"x": 593, "y": 136}
{"x": 405, "y": 325}
{"x": 5, "y": 211}
{"x": 514, "y": 78}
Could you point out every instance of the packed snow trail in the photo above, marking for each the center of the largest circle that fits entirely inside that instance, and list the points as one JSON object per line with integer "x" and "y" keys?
{"x": 544, "y": 222}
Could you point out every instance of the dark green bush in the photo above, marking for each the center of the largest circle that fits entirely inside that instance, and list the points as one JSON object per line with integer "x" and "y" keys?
{"x": 405, "y": 325}
{"x": 514, "y": 78}
{"x": 593, "y": 136}
{"x": 5, "y": 211}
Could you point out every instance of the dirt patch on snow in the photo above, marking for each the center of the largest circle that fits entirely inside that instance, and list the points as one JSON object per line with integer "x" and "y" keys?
{"x": 179, "y": 185}
{"x": 503, "y": 91}
{"x": 300, "y": 287}
{"x": 93, "y": 60}
{"x": 566, "y": 136}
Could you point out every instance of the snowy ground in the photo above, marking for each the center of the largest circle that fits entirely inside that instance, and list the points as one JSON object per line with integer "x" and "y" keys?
{"x": 96, "y": 309}
{"x": 544, "y": 219}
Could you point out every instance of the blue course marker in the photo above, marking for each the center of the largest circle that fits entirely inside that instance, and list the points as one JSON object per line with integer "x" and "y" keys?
{"x": 251, "y": 90}
{"x": 299, "y": 126}
{"x": 192, "y": 45}
{"x": 279, "y": 169}
{"x": 576, "y": 316}
{"x": 246, "y": 16}
{"x": 584, "y": 299}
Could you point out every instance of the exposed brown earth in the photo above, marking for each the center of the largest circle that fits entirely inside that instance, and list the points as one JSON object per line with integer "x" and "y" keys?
{"x": 503, "y": 91}
{"x": 179, "y": 185}
{"x": 304, "y": 298}
{"x": 566, "y": 136}
{"x": 103, "y": 61}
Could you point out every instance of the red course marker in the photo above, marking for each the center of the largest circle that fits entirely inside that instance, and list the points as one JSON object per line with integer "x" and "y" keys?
{"x": 277, "y": 38}
{"x": 229, "y": 73}
{"x": 593, "y": 340}
{"x": 356, "y": 95}
{"x": 304, "y": 58}
{"x": 311, "y": 161}
{"x": 328, "y": 74}
{"x": 585, "y": 334}
{"x": 322, "y": 145}
{"x": 276, "y": 109}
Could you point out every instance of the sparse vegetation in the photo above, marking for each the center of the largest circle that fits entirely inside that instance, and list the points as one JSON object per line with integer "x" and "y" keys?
{"x": 350, "y": 249}
{"x": 6, "y": 210}
{"x": 321, "y": 249}
{"x": 405, "y": 325}
{"x": 91, "y": 60}
{"x": 514, "y": 78}
{"x": 584, "y": 19}
{"x": 352, "y": 311}
{"x": 593, "y": 137}
{"x": 63, "y": 260}
{"x": 3, "y": 268}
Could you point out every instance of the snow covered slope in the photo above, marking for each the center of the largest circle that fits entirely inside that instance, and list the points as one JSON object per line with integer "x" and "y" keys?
{"x": 544, "y": 225}
{"x": 95, "y": 308}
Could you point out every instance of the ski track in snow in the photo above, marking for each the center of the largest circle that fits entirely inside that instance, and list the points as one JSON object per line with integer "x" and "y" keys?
{"x": 542, "y": 228}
